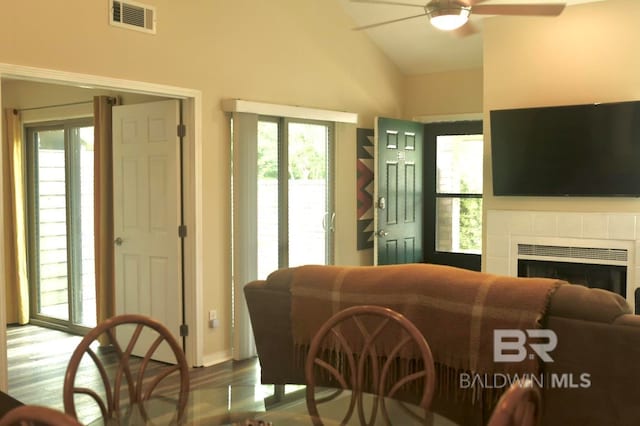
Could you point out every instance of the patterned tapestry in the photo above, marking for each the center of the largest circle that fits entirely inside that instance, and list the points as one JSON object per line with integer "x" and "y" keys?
{"x": 365, "y": 159}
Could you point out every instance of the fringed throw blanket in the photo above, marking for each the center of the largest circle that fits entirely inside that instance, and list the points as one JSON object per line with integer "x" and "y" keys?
{"x": 457, "y": 310}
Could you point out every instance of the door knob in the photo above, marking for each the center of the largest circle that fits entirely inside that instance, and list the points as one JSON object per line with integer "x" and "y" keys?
{"x": 382, "y": 233}
{"x": 118, "y": 241}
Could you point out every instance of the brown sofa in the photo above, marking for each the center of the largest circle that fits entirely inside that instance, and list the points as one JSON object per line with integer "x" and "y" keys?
{"x": 596, "y": 363}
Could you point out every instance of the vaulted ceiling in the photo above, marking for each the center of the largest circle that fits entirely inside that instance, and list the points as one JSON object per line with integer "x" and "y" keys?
{"x": 415, "y": 46}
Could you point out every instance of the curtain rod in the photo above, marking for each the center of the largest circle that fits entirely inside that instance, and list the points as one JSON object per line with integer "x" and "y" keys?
{"x": 54, "y": 106}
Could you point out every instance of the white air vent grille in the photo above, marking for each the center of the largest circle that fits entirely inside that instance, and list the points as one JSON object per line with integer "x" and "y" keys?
{"x": 133, "y": 15}
{"x": 619, "y": 255}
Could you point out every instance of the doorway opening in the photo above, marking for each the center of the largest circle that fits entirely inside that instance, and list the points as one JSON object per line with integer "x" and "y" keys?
{"x": 453, "y": 193}
{"x": 59, "y": 81}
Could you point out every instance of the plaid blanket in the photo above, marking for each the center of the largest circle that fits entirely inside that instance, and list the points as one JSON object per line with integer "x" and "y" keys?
{"x": 457, "y": 310}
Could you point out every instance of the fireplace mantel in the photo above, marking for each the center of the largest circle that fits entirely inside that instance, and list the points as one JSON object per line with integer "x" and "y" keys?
{"x": 607, "y": 235}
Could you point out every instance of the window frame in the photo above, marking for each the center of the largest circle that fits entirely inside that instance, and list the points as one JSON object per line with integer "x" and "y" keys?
{"x": 470, "y": 261}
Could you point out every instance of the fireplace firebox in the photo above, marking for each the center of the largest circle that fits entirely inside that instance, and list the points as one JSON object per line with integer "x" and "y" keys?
{"x": 606, "y": 277}
{"x": 603, "y": 264}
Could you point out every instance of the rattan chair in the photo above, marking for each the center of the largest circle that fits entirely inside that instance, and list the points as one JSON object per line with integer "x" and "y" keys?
{"x": 115, "y": 379}
{"x": 520, "y": 405}
{"x": 348, "y": 352}
{"x": 27, "y": 415}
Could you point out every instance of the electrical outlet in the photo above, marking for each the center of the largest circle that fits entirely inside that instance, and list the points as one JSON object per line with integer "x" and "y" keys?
{"x": 213, "y": 318}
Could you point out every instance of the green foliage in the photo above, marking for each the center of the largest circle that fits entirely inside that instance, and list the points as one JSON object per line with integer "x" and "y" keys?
{"x": 305, "y": 160}
{"x": 267, "y": 150}
{"x": 470, "y": 222}
{"x": 267, "y": 163}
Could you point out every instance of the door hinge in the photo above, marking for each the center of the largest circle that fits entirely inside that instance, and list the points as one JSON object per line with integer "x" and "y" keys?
{"x": 182, "y": 231}
{"x": 182, "y": 130}
{"x": 184, "y": 330}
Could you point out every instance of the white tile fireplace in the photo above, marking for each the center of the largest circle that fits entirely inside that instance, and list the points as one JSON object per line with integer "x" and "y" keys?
{"x": 567, "y": 237}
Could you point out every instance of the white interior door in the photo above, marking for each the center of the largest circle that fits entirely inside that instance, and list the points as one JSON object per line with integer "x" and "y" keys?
{"x": 147, "y": 213}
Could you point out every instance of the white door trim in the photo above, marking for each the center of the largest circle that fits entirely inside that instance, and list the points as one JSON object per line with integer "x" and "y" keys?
{"x": 193, "y": 191}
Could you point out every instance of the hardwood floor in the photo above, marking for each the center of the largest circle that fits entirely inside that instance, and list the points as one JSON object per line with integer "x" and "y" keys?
{"x": 38, "y": 360}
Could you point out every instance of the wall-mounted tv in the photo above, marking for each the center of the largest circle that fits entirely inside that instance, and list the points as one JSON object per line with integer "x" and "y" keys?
{"x": 576, "y": 150}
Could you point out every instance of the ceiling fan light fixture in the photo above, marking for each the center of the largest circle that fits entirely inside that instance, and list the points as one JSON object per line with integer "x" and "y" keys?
{"x": 449, "y": 18}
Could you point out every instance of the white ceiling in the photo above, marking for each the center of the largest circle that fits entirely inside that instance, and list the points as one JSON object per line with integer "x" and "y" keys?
{"x": 418, "y": 48}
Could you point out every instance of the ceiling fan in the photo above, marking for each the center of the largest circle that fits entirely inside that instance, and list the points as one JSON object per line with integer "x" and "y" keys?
{"x": 449, "y": 15}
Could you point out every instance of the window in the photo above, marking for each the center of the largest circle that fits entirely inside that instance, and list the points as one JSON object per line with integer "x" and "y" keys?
{"x": 60, "y": 203}
{"x": 454, "y": 153}
{"x": 459, "y": 193}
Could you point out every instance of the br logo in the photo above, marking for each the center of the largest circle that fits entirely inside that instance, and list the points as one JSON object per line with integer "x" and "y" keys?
{"x": 510, "y": 345}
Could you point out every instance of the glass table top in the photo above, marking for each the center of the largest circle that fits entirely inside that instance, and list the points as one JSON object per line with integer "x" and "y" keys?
{"x": 244, "y": 405}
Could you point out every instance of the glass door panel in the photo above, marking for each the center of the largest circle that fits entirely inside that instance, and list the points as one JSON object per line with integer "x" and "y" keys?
{"x": 51, "y": 227}
{"x": 84, "y": 288}
{"x": 310, "y": 218}
{"x": 268, "y": 205}
{"x": 294, "y": 217}
{"x": 62, "y": 233}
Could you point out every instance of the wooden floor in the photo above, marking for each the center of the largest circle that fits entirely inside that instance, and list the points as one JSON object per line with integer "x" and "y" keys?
{"x": 38, "y": 360}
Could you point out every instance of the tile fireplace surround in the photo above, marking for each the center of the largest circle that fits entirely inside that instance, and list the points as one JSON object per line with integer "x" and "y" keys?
{"x": 594, "y": 234}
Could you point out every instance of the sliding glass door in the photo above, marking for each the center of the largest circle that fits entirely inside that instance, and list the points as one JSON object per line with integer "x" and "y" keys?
{"x": 295, "y": 200}
{"x": 61, "y": 250}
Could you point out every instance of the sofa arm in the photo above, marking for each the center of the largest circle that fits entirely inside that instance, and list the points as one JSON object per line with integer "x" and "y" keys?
{"x": 607, "y": 353}
{"x": 269, "y": 306}
{"x": 587, "y": 304}
{"x": 628, "y": 320}
{"x": 598, "y": 343}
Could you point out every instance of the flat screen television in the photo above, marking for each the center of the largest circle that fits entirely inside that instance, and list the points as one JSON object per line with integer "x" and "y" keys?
{"x": 575, "y": 150}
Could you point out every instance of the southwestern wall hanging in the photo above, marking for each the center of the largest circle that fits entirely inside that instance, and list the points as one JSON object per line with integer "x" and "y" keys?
{"x": 365, "y": 158}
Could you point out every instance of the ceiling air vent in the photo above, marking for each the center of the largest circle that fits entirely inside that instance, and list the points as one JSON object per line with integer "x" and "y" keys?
{"x": 133, "y": 15}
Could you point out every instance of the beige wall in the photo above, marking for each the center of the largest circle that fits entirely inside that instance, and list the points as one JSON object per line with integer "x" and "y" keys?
{"x": 279, "y": 51}
{"x": 346, "y": 238}
{"x": 445, "y": 93}
{"x": 588, "y": 54}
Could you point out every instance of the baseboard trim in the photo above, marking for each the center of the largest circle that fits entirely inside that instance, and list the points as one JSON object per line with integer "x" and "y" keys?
{"x": 216, "y": 358}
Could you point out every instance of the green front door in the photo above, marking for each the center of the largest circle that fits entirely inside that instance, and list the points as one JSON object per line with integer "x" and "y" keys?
{"x": 399, "y": 203}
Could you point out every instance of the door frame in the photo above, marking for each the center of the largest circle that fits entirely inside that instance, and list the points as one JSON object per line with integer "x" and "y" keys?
{"x": 193, "y": 266}
{"x": 431, "y": 133}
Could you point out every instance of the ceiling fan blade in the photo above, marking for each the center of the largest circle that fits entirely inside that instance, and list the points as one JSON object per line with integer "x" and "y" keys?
{"x": 472, "y": 2}
{"x": 364, "y": 27}
{"x": 393, "y": 3}
{"x": 548, "y": 9}
{"x": 466, "y": 30}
